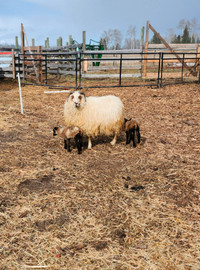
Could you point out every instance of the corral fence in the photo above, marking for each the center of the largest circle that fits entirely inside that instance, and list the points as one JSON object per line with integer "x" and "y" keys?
{"x": 7, "y": 63}
{"x": 116, "y": 69}
{"x": 11, "y": 63}
{"x": 73, "y": 68}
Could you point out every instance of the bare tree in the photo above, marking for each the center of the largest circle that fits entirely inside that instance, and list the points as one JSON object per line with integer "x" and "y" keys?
{"x": 181, "y": 25}
{"x": 171, "y": 35}
{"x": 194, "y": 25}
{"x": 194, "y": 28}
{"x": 116, "y": 39}
{"x": 107, "y": 38}
{"x": 131, "y": 32}
{"x": 113, "y": 38}
{"x": 127, "y": 43}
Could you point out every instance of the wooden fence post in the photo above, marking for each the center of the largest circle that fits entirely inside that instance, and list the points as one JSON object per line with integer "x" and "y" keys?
{"x": 70, "y": 40}
{"x": 85, "y": 63}
{"x": 47, "y": 45}
{"x": 22, "y": 44}
{"x": 146, "y": 50}
{"x": 16, "y": 43}
{"x": 61, "y": 41}
{"x": 39, "y": 66}
{"x": 198, "y": 56}
{"x": 33, "y": 42}
{"x": 142, "y": 38}
{"x": 13, "y": 64}
{"x": 84, "y": 40}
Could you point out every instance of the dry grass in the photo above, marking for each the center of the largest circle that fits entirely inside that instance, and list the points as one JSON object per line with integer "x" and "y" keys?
{"x": 61, "y": 210}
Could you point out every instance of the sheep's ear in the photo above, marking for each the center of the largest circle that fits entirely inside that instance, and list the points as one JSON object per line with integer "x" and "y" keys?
{"x": 70, "y": 95}
{"x": 82, "y": 93}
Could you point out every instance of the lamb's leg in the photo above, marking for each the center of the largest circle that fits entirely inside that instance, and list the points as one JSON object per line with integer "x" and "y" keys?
{"x": 68, "y": 145}
{"x": 113, "y": 142}
{"x": 80, "y": 143}
{"x": 89, "y": 143}
{"x": 78, "y": 140}
{"x": 128, "y": 138}
{"x": 65, "y": 144}
{"x": 133, "y": 137}
{"x": 138, "y": 134}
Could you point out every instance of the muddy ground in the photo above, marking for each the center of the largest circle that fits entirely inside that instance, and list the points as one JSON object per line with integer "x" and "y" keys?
{"x": 110, "y": 207}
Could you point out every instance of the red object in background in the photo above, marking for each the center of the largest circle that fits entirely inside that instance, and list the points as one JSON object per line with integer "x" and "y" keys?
{"x": 5, "y": 52}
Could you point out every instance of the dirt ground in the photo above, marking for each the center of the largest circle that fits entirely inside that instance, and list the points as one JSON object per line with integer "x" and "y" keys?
{"x": 112, "y": 207}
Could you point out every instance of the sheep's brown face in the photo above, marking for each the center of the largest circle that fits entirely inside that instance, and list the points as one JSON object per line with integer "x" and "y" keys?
{"x": 77, "y": 98}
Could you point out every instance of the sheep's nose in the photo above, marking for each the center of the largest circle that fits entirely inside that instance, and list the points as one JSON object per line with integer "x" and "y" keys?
{"x": 76, "y": 104}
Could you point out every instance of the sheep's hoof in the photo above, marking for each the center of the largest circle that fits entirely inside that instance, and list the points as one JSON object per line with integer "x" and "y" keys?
{"x": 112, "y": 143}
{"x": 89, "y": 146}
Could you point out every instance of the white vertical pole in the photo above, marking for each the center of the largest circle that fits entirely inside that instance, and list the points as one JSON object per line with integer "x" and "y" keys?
{"x": 20, "y": 94}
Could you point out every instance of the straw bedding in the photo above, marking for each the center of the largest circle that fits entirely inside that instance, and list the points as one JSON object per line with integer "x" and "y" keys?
{"x": 110, "y": 207}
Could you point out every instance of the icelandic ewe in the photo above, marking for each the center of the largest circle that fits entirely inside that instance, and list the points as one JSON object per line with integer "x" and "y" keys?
{"x": 94, "y": 115}
{"x": 68, "y": 133}
{"x": 132, "y": 130}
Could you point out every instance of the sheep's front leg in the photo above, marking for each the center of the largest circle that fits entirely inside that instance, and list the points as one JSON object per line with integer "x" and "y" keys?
{"x": 113, "y": 142}
{"x": 89, "y": 143}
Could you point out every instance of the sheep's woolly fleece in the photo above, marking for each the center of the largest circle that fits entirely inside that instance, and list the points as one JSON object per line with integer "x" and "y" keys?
{"x": 98, "y": 115}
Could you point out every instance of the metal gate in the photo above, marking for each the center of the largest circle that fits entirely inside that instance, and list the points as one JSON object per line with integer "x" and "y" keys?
{"x": 32, "y": 63}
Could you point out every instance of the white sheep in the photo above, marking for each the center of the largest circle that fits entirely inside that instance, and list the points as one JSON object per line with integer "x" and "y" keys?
{"x": 68, "y": 133}
{"x": 95, "y": 115}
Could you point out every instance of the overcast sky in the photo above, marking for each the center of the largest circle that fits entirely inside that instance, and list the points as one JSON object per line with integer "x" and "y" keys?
{"x": 54, "y": 18}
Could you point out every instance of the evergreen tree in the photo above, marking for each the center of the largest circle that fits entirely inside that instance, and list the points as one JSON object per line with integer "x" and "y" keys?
{"x": 177, "y": 39}
{"x": 155, "y": 40}
{"x": 186, "y": 36}
{"x": 193, "y": 39}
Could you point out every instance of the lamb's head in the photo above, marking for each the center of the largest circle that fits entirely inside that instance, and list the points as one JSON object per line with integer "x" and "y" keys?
{"x": 77, "y": 98}
{"x": 126, "y": 122}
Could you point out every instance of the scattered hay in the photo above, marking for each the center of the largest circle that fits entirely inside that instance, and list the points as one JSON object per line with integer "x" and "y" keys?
{"x": 109, "y": 208}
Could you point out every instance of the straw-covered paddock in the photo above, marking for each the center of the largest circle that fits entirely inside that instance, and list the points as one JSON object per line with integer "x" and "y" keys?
{"x": 110, "y": 207}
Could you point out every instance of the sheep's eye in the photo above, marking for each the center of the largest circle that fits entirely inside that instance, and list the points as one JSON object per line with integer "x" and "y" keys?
{"x": 80, "y": 97}
{"x": 72, "y": 97}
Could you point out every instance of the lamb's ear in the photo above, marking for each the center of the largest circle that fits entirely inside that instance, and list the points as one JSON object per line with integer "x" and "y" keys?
{"x": 126, "y": 120}
{"x": 55, "y": 131}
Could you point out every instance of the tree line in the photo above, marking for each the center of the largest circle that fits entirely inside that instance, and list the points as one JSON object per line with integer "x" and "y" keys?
{"x": 190, "y": 33}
